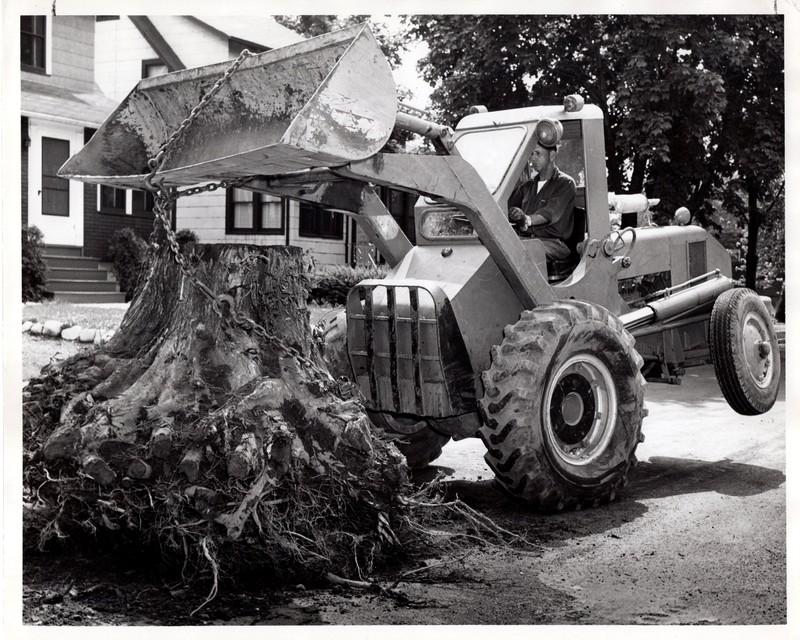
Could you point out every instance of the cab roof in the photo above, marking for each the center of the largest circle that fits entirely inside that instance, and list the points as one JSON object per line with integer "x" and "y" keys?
{"x": 527, "y": 114}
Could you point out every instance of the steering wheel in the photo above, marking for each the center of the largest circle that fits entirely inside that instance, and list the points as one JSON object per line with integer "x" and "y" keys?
{"x": 615, "y": 242}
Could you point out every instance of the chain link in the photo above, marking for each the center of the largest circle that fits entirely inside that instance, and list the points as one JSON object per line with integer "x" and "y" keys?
{"x": 164, "y": 199}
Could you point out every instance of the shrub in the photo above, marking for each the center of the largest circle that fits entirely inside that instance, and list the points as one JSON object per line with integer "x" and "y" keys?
{"x": 330, "y": 285}
{"x": 186, "y": 236}
{"x": 34, "y": 269}
{"x": 127, "y": 252}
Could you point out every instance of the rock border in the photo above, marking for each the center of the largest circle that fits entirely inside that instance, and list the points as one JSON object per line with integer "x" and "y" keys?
{"x": 64, "y": 331}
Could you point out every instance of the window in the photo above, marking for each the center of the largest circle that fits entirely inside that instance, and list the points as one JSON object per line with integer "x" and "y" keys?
{"x": 142, "y": 202}
{"x": 125, "y": 202}
{"x": 491, "y": 152}
{"x": 154, "y": 67}
{"x": 253, "y": 213}
{"x": 316, "y": 222}
{"x": 55, "y": 190}
{"x": 112, "y": 200}
{"x": 33, "y": 42}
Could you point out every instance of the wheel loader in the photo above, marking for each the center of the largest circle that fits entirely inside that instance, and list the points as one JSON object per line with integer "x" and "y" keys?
{"x": 472, "y": 333}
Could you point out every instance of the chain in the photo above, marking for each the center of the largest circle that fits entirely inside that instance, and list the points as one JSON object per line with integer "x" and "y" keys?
{"x": 155, "y": 163}
{"x": 222, "y": 304}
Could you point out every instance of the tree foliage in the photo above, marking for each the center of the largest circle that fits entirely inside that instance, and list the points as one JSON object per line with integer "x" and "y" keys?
{"x": 693, "y": 105}
{"x": 392, "y": 43}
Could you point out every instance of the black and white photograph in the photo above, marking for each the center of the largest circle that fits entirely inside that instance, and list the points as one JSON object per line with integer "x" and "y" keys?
{"x": 365, "y": 320}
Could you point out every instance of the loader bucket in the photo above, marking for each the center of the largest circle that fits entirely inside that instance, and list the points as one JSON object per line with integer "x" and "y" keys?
{"x": 322, "y": 102}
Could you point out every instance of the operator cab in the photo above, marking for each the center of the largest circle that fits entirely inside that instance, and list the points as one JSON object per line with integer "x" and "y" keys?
{"x": 501, "y": 156}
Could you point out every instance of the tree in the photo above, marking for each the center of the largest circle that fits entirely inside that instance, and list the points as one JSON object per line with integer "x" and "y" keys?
{"x": 683, "y": 97}
{"x": 392, "y": 43}
{"x": 220, "y": 445}
{"x": 751, "y": 141}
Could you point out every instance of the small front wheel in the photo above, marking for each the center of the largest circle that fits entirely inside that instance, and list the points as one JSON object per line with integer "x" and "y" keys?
{"x": 744, "y": 350}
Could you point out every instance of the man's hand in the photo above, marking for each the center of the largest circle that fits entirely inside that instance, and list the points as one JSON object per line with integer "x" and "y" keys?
{"x": 517, "y": 216}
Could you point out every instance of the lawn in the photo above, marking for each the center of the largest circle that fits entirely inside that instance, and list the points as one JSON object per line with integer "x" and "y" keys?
{"x": 38, "y": 352}
{"x": 108, "y": 316}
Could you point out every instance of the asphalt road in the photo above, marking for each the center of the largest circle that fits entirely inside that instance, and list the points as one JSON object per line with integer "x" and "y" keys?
{"x": 698, "y": 536}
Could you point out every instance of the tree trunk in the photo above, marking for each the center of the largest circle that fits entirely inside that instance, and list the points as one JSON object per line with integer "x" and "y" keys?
{"x": 186, "y": 416}
{"x": 753, "y": 227}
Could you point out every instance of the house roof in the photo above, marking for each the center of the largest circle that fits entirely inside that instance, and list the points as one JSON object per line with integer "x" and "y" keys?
{"x": 67, "y": 105}
{"x": 262, "y": 30}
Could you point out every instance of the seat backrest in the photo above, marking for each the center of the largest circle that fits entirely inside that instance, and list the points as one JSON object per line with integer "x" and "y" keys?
{"x": 578, "y": 229}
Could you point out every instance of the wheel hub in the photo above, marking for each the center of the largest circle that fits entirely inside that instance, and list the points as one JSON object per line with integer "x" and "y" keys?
{"x": 757, "y": 349}
{"x": 580, "y": 409}
{"x": 572, "y": 408}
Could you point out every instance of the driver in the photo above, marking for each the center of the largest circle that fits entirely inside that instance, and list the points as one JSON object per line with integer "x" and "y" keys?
{"x": 542, "y": 206}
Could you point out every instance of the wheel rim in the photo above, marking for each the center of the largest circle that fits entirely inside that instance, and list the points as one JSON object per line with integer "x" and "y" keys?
{"x": 580, "y": 409}
{"x": 757, "y": 349}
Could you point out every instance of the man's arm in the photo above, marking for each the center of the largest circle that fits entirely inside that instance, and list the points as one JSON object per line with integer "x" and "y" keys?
{"x": 515, "y": 213}
{"x": 516, "y": 196}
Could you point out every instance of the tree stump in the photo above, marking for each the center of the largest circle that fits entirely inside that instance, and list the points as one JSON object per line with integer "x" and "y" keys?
{"x": 196, "y": 434}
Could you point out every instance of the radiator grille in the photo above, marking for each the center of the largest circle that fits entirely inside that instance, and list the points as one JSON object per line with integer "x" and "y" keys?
{"x": 697, "y": 258}
{"x": 406, "y": 351}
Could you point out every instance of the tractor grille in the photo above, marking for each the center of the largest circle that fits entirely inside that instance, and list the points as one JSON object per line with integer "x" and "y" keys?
{"x": 697, "y": 258}
{"x": 406, "y": 350}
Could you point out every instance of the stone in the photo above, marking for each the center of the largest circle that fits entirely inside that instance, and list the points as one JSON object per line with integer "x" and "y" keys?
{"x": 107, "y": 336}
{"x": 53, "y": 328}
{"x": 26, "y": 326}
{"x": 87, "y": 335}
{"x": 71, "y": 333}
{"x": 37, "y": 329}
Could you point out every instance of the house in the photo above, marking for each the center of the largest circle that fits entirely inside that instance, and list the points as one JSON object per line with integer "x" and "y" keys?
{"x": 61, "y": 107}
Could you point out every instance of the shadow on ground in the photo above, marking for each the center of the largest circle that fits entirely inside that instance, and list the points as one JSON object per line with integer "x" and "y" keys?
{"x": 657, "y": 479}
{"x": 664, "y": 477}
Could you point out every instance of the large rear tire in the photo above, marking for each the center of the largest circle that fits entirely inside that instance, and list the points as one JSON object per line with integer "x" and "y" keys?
{"x": 563, "y": 406}
{"x": 745, "y": 352}
{"x": 413, "y": 437}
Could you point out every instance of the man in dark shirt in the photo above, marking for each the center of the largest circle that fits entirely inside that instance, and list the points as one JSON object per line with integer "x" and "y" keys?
{"x": 542, "y": 207}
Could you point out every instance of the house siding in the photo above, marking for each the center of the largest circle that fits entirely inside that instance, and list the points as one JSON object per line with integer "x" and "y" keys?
{"x": 193, "y": 44}
{"x": 73, "y": 53}
{"x": 99, "y": 227}
{"x": 24, "y": 167}
{"x": 71, "y": 42}
{"x": 205, "y": 215}
{"x": 123, "y": 49}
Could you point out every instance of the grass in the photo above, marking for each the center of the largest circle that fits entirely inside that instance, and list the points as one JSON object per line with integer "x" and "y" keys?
{"x": 105, "y": 317}
{"x": 38, "y": 352}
